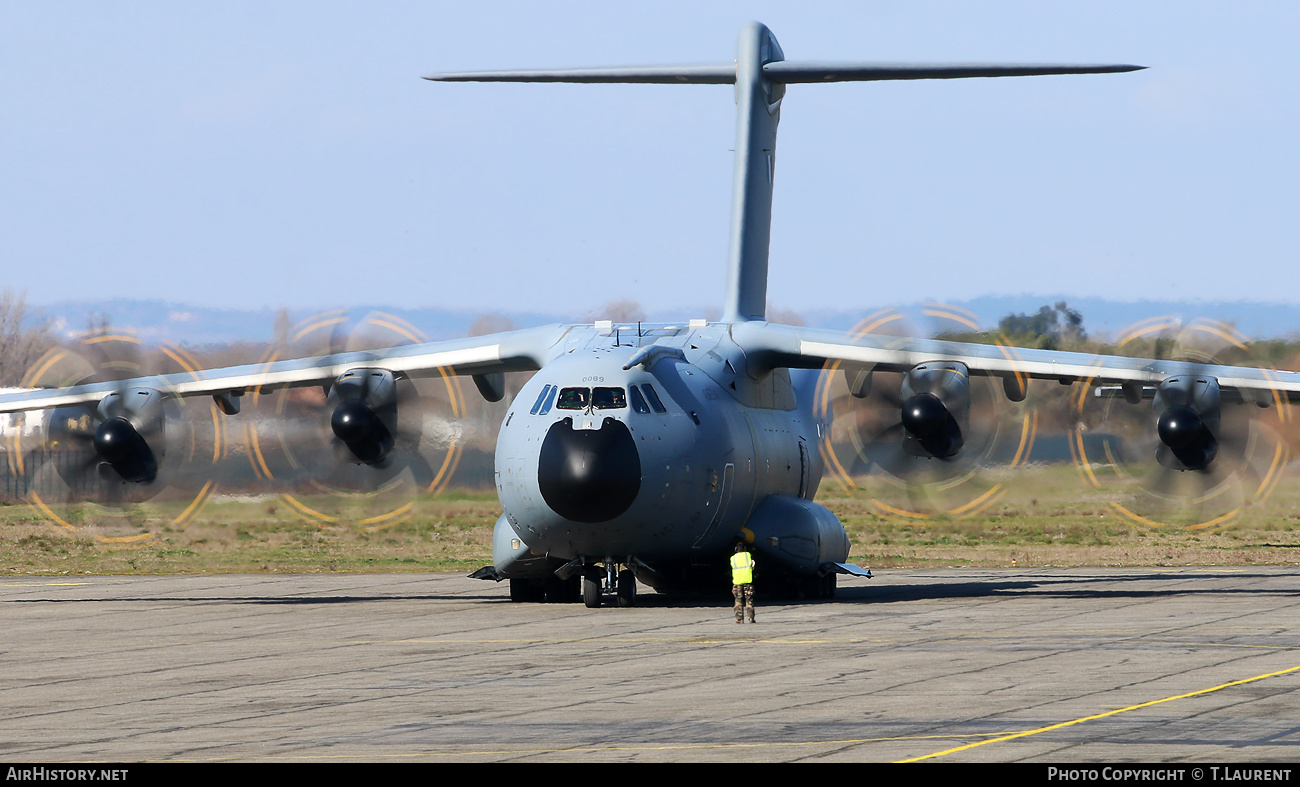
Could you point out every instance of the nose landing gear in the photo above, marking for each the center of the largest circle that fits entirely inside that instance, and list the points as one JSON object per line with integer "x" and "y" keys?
{"x": 626, "y": 591}
{"x": 591, "y": 592}
{"x": 595, "y": 582}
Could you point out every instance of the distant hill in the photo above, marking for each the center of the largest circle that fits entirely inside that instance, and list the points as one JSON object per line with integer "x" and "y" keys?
{"x": 191, "y": 325}
{"x": 1101, "y": 318}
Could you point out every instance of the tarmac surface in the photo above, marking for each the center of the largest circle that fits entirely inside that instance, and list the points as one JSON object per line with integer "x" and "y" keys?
{"x": 1079, "y": 665}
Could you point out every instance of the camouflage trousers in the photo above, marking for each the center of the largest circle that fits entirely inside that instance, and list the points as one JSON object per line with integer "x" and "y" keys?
{"x": 744, "y": 595}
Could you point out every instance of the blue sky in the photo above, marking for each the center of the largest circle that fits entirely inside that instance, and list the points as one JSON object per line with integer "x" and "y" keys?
{"x": 288, "y": 154}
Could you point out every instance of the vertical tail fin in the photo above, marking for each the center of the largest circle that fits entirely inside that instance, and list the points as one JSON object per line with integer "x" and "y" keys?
{"x": 758, "y": 111}
{"x": 760, "y": 75}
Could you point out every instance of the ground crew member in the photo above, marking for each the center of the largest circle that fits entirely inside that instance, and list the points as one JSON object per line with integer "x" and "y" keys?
{"x": 742, "y": 582}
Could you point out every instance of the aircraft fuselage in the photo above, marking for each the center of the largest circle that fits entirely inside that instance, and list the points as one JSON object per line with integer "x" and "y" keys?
{"x": 658, "y": 465}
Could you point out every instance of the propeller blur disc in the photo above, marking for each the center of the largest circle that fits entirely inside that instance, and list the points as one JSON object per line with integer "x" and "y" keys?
{"x": 864, "y": 450}
{"x": 90, "y": 471}
{"x": 298, "y": 441}
{"x": 1232, "y": 478}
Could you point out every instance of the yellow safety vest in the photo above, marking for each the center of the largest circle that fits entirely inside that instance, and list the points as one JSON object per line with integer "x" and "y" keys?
{"x": 742, "y": 568}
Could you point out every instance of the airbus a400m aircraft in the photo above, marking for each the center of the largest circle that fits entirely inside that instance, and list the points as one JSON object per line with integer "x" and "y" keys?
{"x": 645, "y": 452}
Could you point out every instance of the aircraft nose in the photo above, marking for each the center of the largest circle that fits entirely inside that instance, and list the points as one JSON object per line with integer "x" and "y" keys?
{"x": 589, "y": 475}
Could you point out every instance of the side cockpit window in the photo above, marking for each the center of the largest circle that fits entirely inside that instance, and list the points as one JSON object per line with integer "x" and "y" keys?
{"x": 653, "y": 398}
{"x": 544, "y": 400}
{"x": 541, "y": 397}
{"x": 550, "y": 399}
{"x": 638, "y": 401}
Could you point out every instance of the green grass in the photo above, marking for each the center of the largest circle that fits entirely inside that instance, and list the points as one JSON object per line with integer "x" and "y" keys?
{"x": 1037, "y": 516}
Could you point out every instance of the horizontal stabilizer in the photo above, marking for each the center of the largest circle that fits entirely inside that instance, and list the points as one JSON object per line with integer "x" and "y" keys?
{"x": 760, "y": 72}
{"x": 791, "y": 72}
{"x": 781, "y": 71}
{"x": 723, "y": 74}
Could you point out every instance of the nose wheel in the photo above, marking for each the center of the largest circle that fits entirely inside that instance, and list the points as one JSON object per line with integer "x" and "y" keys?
{"x": 623, "y": 583}
{"x": 626, "y": 588}
{"x": 592, "y": 594}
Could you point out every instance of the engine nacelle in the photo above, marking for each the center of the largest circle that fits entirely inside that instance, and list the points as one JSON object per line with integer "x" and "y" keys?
{"x": 363, "y": 415}
{"x": 126, "y": 430}
{"x": 1188, "y": 424}
{"x": 936, "y": 409}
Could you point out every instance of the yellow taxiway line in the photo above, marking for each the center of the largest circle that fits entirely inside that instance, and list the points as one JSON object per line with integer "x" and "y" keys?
{"x": 1027, "y": 733}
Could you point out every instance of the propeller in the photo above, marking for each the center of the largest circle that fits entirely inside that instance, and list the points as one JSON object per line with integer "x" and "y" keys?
{"x": 1186, "y": 454}
{"x": 363, "y": 449}
{"x": 91, "y": 467}
{"x": 917, "y": 441}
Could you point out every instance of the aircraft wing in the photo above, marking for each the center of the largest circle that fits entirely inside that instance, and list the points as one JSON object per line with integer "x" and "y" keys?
{"x": 769, "y": 345}
{"x": 512, "y": 351}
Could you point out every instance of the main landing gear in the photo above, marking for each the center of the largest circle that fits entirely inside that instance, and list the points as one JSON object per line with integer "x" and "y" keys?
{"x": 820, "y": 587}
{"x": 551, "y": 589}
{"x": 817, "y": 587}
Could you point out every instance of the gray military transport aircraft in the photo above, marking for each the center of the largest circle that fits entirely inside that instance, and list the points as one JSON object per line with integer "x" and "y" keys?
{"x": 646, "y": 452}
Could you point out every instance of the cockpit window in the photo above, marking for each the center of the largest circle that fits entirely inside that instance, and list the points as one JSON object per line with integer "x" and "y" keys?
{"x": 550, "y": 398}
{"x": 608, "y": 398}
{"x": 540, "y": 398}
{"x": 584, "y": 398}
{"x": 653, "y": 398}
{"x": 574, "y": 398}
{"x": 638, "y": 401}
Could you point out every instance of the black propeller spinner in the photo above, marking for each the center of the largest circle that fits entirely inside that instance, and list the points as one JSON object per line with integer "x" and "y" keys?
{"x": 364, "y": 416}
{"x": 1188, "y": 424}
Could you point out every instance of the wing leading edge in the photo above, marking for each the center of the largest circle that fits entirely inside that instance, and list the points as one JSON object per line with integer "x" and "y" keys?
{"x": 514, "y": 351}
{"x": 769, "y": 345}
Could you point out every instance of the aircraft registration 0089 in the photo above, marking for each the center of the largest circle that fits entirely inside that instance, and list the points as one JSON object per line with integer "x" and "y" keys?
{"x": 647, "y": 453}
{"x": 1215, "y": 773}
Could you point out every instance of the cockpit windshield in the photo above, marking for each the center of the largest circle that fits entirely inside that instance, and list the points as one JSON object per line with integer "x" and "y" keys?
{"x": 589, "y": 398}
